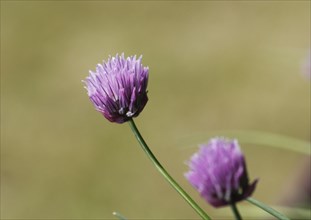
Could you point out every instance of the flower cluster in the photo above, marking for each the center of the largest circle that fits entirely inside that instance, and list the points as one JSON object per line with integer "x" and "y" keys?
{"x": 218, "y": 172}
{"x": 118, "y": 88}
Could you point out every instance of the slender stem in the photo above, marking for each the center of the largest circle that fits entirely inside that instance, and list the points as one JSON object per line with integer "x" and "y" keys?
{"x": 235, "y": 211}
{"x": 267, "y": 208}
{"x": 166, "y": 175}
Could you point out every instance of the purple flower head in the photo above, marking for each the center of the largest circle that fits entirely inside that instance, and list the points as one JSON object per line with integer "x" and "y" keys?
{"x": 218, "y": 172}
{"x": 118, "y": 88}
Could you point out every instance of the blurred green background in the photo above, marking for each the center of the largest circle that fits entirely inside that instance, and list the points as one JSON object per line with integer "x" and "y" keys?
{"x": 214, "y": 65}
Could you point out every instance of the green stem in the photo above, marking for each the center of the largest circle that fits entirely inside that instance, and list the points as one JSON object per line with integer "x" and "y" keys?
{"x": 235, "y": 211}
{"x": 166, "y": 175}
{"x": 268, "y": 209}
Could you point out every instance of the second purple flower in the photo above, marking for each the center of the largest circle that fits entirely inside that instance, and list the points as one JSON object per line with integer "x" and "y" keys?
{"x": 218, "y": 172}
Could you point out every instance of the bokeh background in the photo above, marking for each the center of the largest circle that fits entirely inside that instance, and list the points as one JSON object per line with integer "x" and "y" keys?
{"x": 214, "y": 65}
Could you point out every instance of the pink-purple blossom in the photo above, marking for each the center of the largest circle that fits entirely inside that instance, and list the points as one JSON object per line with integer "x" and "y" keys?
{"x": 118, "y": 87}
{"x": 218, "y": 172}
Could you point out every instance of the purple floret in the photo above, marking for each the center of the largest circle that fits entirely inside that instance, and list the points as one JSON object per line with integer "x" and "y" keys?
{"x": 118, "y": 88}
{"x": 218, "y": 172}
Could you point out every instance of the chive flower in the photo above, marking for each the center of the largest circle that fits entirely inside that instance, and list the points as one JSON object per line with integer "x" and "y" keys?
{"x": 218, "y": 172}
{"x": 118, "y": 87}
